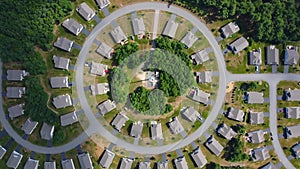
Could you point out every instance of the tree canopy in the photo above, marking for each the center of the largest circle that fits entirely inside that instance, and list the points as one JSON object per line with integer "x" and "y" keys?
{"x": 124, "y": 51}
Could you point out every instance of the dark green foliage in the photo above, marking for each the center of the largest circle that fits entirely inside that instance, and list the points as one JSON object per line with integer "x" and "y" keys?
{"x": 58, "y": 136}
{"x": 249, "y": 86}
{"x": 36, "y": 102}
{"x": 124, "y": 51}
{"x": 168, "y": 84}
{"x": 139, "y": 99}
{"x": 240, "y": 129}
{"x": 213, "y": 165}
{"x": 234, "y": 150}
{"x": 119, "y": 85}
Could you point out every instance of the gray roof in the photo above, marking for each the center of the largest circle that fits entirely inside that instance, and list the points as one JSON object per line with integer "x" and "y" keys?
{"x": 31, "y": 164}
{"x": 190, "y": 114}
{"x": 85, "y": 11}
{"x": 199, "y": 158}
{"x": 118, "y": 35}
{"x": 162, "y": 165}
{"x": 105, "y": 50}
{"x": 106, "y": 107}
{"x": 62, "y": 101}
{"x": 189, "y": 39}
{"x": 61, "y": 62}
{"x": 14, "y": 160}
{"x": 73, "y": 26}
{"x": 68, "y": 164}
{"x": 59, "y": 82}
{"x": 296, "y": 150}
{"x": 102, "y": 3}
{"x": 98, "y": 69}
{"x": 293, "y": 95}
{"x": 170, "y": 29}
{"x": 292, "y": 131}
{"x": 269, "y": 165}
{"x": 29, "y": 126}
{"x": 64, "y": 44}
{"x": 292, "y": 112}
{"x": 291, "y": 55}
{"x": 255, "y": 57}
{"x": 199, "y": 96}
{"x": 119, "y": 121}
{"x": 136, "y": 129}
{"x": 2, "y": 152}
{"x": 15, "y": 92}
{"x": 138, "y": 26}
{"x": 204, "y": 77}
{"x": 47, "y": 131}
{"x": 16, "y": 111}
{"x": 235, "y": 114}
{"x": 100, "y": 88}
{"x": 200, "y": 57}
{"x": 256, "y": 136}
{"x": 256, "y": 117}
{"x": 16, "y": 75}
{"x": 156, "y": 130}
{"x": 181, "y": 163}
{"x": 50, "y": 165}
{"x": 214, "y": 146}
{"x": 85, "y": 161}
{"x": 254, "y": 97}
{"x": 107, "y": 158}
{"x": 229, "y": 29}
{"x": 68, "y": 119}
{"x": 239, "y": 45}
{"x": 175, "y": 126}
{"x": 144, "y": 165}
{"x": 226, "y": 131}
{"x": 260, "y": 154}
{"x": 272, "y": 54}
{"x": 126, "y": 163}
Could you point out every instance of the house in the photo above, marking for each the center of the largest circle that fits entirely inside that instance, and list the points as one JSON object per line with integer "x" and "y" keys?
{"x": 272, "y": 54}
{"x": 138, "y": 26}
{"x": 59, "y": 82}
{"x": 136, "y": 129}
{"x": 190, "y": 114}
{"x": 126, "y": 163}
{"x": 296, "y": 150}
{"x": 144, "y": 165}
{"x": 106, "y": 107}
{"x": 29, "y": 126}
{"x": 260, "y": 154}
{"x": 175, "y": 126}
{"x": 269, "y": 165}
{"x": 214, "y": 146}
{"x": 291, "y": 95}
{"x": 292, "y": 112}
{"x": 152, "y": 79}
{"x": 226, "y": 131}
{"x": 16, "y": 75}
{"x": 198, "y": 158}
{"x": 14, "y": 160}
{"x": 67, "y": 164}
{"x": 118, "y": 35}
{"x": 64, "y": 44}
{"x": 85, "y": 11}
{"x": 204, "y": 77}
{"x": 85, "y": 161}
{"x": 16, "y": 111}
{"x": 98, "y": 69}
{"x": 61, "y": 62}
{"x": 200, "y": 57}
{"x": 199, "y": 96}
{"x": 256, "y": 117}
{"x": 2, "y": 152}
{"x": 292, "y": 131}
{"x": 68, "y": 119}
{"x": 62, "y": 101}
{"x": 100, "y": 88}
{"x": 170, "y": 29}
{"x": 256, "y": 136}
{"x": 189, "y": 39}
{"x": 229, "y": 29}
{"x": 162, "y": 165}
{"x": 50, "y": 165}
{"x": 47, "y": 131}
{"x": 291, "y": 55}
{"x": 235, "y": 114}
{"x": 119, "y": 121}
{"x": 239, "y": 45}
{"x": 156, "y": 130}
{"x": 254, "y": 97}
{"x": 31, "y": 164}
{"x": 180, "y": 163}
{"x": 102, "y": 3}
{"x": 105, "y": 50}
{"x": 107, "y": 158}
{"x": 255, "y": 57}
{"x": 15, "y": 92}
{"x": 73, "y": 26}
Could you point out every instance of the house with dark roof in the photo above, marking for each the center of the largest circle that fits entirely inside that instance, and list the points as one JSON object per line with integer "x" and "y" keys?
{"x": 226, "y": 131}
{"x": 106, "y": 107}
{"x": 272, "y": 55}
{"x": 29, "y": 126}
{"x": 255, "y": 57}
{"x": 254, "y": 97}
{"x": 296, "y": 150}
{"x": 118, "y": 35}
{"x": 138, "y": 26}
{"x": 59, "y": 82}
{"x": 229, "y": 29}
{"x": 49, "y": 165}
{"x": 291, "y": 55}
{"x": 2, "y": 152}
{"x": 14, "y": 160}
{"x": 98, "y": 69}
{"x": 170, "y": 29}
{"x": 16, "y": 75}
{"x": 102, "y": 3}
{"x": 136, "y": 129}
{"x": 256, "y": 117}
{"x": 198, "y": 158}
{"x": 61, "y": 62}
{"x": 235, "y": 114}
{"x": 175, "y": 125}
{"x": 119, "y": 121}
{"x": 144, "y": 165}
{"x": 156, "y": 130}
{"x": 180, "y": 163}
{"x": 199, "y": 96}
{"x": 85, "y": 11}
{"x": 190, "y": 114}
{"x": 239, "y": 45}
{"x": 257, "y": 136}
{"x": 73, "y": 26}
{"x": 162, "y": 165}
{"x": 292, "y": 131}
{"x": 105, "y": 50}
{"x": 67, "y": 164}
{"x": 200, "y": 57}
{"x": 100, "y": 88}
{"x": 16, "y": 111}
{"x": 62, "y": 101}
{"x": 214, "y": 146}
{"x": 291, "y": 95}
{"x": 292, "y": 112}
{"x": 85, "y": 161}
{"x": 189, "y": 39}
{"x": 15, "y": 92}
{"x": 68, "y": 119}
{"x": 204, "y": 77}
{"x": 47, "y": 131}
{"x": 31, "y": 164}
{"x": 107, "y": 158}
{"x": 260, "y": 154}
{"x": 126, "y": 163}
{"x": 64, "y": 44}
{"x": 269, "y": 165}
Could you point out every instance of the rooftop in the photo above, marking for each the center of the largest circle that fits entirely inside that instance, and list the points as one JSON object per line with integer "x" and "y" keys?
{"x": 85, "y": 11}
{"x": 31, "y": 164}
{"x": 105, "y": 50}
{"x": 199, "y": 158}
{"x": 181, "y": 163}
{"x": 85, "y": 161}
{"x": 189, "y": 39}
{"x": 16, "y": 75}
{"x": 235, "y": 114}
{"x": 126, "y": 163}
{"x": 175, "y": 126}
{"x": 226, "y": 131}
{"x": 272, "y": 54}
{"x": 200, "y": 57}
{"x": 68, "y": 119}
{"x": 29, "y": 126}
{"x": 292, "y": 112}
{"x": 73, "y": 26}
{"x": 214, "y": 146}
{"x": 118, "y": 35}
{"x": 15, "y": 92}
{"x": 67, "y": 164}
{"x": 100, "y": 88}
{"x": 260, "y": 154}
{"x": 138, "y": 26}
{"x": 119, "y": 121}
{"x": 239, "y": 45}
{"x": 190, "y": 114}
{"x": 62, "y": 101}
{"x": 16, "y": 111}
{"x": 47, "y": 131}
{"x": 61, "y": 62}
{"x": 59, "y": 82}
{"x": 64, "y": 44}
{"x": 256, "y": 136}
{"x": 98, "y": 69}
{"x": 107, "y": 158}
{"x": 14, "y": 160}
{"x": 136, "y": 129}
{"x": 170, "y": 29}
{"x": 255, "y": 57}
{"x": 254, "y": 97}
{"x": 229, "y": 29}
{"x": 291, "y": 55}
{"x": 106, "y": 107}
{"x": 50, "y": 165}
{"x": 204, "y": 77}
{"x": 156, "y": 130}
{"x": 144, "y": 165}
{"x": 256, "y": 117}
{"x": 199, "y": 96}
{"x": 102, "y": 3}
